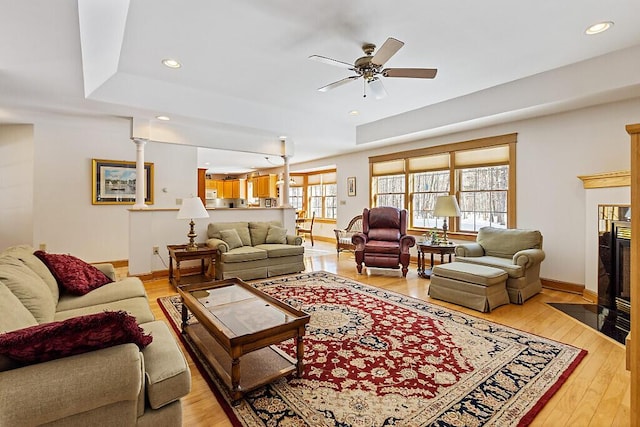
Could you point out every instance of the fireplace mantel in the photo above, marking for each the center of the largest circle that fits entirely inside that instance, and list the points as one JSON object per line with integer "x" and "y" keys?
{"x": 607, "y": 179}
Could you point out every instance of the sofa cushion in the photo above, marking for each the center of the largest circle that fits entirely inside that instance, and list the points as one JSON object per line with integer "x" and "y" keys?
{"x": 259, "y": 230}
{"x": 504, "y": 243}
{"x": 138, "y": 307}
{"x": 231, "y": 238}
{"x": 25, "y": 253}
{"x": 276, "y": 234}
{"x": 167, "y": 374}
{"x": 505, "y": 264}
{"x": 14, "y": 314}
{"x": 28, "y": 287}
{"x": 55, "y": 340}
{"x": 278, "y": 250}
{"x": 74, "y": 275}
{"x": 130, "y": 287}
{"x": 213, "y": 230}
{"x": 243, "y": 254}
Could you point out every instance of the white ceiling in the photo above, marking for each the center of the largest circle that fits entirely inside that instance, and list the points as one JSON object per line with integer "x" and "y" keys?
{"x": 246, "y": 79}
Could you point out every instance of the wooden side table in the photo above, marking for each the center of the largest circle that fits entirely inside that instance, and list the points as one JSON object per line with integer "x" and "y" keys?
{"x": 432, "y": 249}
{"x": 179, "y": 253}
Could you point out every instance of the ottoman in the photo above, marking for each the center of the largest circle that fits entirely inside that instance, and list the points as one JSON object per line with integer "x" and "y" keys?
{"x": 473, "y": 286}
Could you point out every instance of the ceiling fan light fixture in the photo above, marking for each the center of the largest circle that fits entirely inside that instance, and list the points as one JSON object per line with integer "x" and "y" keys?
{"x": 163, "y": 118}
{"x": 598, "y": 28}
{"x": 171, "y": 63}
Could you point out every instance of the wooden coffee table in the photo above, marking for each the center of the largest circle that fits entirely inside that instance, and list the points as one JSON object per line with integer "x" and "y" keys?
{"x": 240, "y": 325}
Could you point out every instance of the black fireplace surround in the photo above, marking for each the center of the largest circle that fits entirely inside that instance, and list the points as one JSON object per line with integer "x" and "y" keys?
{"x": 612, "y": 315}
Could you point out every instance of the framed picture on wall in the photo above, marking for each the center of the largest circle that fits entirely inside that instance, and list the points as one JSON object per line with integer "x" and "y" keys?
{"x": 114, "y": 182}
{"x": 351, "y": 186}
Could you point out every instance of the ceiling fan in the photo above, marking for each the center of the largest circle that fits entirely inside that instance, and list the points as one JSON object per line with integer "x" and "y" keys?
{"x": 370, "y": 68}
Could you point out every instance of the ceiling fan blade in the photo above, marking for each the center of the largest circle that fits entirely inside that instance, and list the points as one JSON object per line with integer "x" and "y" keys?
{"x": 338, "y": 83}
{"x": 386, "y": 51}
{"x": 377, "y": 88}
{"x": 416, "y": 73}
{"x": 331, "y": 61}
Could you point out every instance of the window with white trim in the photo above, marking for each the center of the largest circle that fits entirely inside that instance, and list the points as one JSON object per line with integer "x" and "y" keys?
{"x": 480, "y": 173}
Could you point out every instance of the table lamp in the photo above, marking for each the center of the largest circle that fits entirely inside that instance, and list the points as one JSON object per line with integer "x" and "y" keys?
{"x": 192, "y": 208}
{"x": 446, "y": 206}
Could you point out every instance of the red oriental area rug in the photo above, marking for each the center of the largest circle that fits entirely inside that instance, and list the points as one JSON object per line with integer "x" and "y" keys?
{"x": 377, "y": 358}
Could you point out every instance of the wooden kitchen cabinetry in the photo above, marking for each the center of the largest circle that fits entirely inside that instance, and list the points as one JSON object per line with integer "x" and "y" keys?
{"x": 228, "y": 188}
{"x": 264, "y": 186}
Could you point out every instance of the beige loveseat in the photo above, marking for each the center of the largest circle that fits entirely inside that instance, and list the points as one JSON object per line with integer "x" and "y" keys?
{"x": 255, "y": 250}
{"x": 115, "y": 386}
{"x": 517, "y": 252}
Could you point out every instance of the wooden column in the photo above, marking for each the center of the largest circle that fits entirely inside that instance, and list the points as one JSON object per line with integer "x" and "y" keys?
{"x": 633, "y": 341}
{"x": 202, "y": 185}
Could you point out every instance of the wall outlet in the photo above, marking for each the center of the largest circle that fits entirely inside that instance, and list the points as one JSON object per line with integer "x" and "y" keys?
{"x": 43, "y": 246}
{"x": 156, "y": 250}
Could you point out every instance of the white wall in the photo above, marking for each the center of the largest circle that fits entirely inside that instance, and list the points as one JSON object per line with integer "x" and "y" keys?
{"x": 16, "y": 184}
{"x": 551, "y": 152}
{"x": 64, "y": 218}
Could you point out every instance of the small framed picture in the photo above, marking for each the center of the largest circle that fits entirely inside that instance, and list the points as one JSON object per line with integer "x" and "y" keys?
{"x": 351, "y": 186}
{"x": 267, "y": 203}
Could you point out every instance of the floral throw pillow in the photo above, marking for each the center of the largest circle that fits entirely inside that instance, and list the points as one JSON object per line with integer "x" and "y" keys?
{"x": 73, "y": 275}
{"x": 54, "y": 340}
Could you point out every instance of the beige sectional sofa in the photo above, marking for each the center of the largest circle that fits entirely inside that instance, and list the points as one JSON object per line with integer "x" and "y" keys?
{"x": 115, "y": 386}
{"x": 255, "y": 250}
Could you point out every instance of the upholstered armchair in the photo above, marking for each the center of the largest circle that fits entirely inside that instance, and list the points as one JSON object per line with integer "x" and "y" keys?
{"x": 517, "y": 252}
{"x": 384, "y": 241}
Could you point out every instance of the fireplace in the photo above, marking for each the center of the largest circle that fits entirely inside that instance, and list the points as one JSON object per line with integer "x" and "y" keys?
{"x": 614, "y": 290}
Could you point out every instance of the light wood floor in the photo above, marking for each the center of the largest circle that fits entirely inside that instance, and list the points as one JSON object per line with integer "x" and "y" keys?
{"x": 596, "y": 394}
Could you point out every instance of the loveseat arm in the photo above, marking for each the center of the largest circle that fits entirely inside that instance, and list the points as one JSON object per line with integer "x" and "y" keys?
{"x": 294, "y": 240}
{"x": 108, "y": 269}
{"x": 218, "y": 244}
{"x": 469, "y": 250}
{"x": 49, "y": 391}
{"x": 528, "y": 257}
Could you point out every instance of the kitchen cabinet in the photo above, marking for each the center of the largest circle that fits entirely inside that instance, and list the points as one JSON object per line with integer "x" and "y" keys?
{"x": 228, "y": 188}
{"x": 264, "y": 186}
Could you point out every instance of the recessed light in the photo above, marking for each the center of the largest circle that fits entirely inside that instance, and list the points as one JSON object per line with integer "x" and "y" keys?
{"x": 165, "y": 118}
{"x": 171, "y": 63}
{"x": 599, "y": 27}
{"x": 354, "y": 113}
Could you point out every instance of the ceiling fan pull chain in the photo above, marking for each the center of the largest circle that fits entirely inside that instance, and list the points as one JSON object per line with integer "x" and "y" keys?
{"x": 364, "y": 88}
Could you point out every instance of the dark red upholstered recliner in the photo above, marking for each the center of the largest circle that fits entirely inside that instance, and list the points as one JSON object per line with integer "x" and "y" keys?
{"x": 384, "y": 241}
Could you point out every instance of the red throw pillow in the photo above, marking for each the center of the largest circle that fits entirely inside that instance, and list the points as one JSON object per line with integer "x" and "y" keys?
{"x": 77, "y": 335}
{"x": 74, "y": 275}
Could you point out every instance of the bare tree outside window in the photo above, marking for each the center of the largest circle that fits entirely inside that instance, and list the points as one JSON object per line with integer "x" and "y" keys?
{"x": 483, "y": 197}
{"x": 426, "y": 187}
{"x": 389, "y": 191}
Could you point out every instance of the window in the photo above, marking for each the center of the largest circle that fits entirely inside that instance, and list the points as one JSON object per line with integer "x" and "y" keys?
{"x": 323, "y": 200}
{"x": 330, "y": 200}
{"x": 480, "y": 173}
{"x": 426, "y": 187}
{"x": 389, "y": 191}
{"x": 483, "y": 197}
{"x": 296, "y": 198}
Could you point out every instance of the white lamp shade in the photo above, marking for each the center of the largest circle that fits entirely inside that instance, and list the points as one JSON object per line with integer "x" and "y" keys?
{"x": 192, "y": 208}
{"x": 446, "y": 206}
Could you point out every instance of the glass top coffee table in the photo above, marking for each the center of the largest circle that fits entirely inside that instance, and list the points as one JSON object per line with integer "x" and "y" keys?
{"x": 238, "y": 324}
